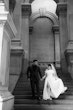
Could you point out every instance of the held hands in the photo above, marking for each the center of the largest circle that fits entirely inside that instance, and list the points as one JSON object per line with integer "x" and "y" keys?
{"x": 41, "y": 79}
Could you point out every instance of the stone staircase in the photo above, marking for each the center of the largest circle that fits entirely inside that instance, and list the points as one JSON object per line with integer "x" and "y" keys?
{"x": 23, "y": 99}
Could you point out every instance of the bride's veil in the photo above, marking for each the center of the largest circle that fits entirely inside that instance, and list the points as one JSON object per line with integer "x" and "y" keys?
{"x": 53, "y": 68}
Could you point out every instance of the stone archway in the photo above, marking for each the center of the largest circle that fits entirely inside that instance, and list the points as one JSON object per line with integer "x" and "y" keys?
{"x": 42, "y": 41}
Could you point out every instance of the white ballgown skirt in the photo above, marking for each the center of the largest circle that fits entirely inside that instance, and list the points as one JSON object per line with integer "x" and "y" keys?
{"x": 53, "y": 87}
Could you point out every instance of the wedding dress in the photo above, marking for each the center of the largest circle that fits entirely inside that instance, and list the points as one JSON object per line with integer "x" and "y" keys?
{"x": 53, "y": 85}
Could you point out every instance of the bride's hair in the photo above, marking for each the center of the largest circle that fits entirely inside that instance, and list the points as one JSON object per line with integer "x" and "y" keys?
{"x": 49, "y": 65}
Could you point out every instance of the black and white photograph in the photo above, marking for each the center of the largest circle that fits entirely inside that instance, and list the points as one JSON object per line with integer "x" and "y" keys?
{"x": 36, "y": 54}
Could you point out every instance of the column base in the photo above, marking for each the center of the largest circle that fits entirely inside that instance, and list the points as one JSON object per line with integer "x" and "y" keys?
{"x": 6, "y": 100}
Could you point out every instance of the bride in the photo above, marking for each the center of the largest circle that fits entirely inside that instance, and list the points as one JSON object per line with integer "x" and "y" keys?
{"x": 53, "y": 85}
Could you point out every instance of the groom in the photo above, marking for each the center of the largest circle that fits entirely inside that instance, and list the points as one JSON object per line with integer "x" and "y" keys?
{"x": 33, "y": 72}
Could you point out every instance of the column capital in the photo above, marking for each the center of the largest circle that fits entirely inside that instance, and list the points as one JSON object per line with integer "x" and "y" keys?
{"x": 30, "y": 29}
{"x": 26, "y": 9}
{"x": 55, "y": 29}
{"x": 61, "y": 7}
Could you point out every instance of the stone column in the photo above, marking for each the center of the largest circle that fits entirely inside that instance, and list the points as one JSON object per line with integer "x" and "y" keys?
{"x": 16, "y": 55}
{"x": 62, "y": 13}
{"x": 69, "y": 49}
{"x": 6, "y": 4}
{"x": 57, "y": 46}
{"x": 26, "y": 10}
{"x": 6, "y": 34}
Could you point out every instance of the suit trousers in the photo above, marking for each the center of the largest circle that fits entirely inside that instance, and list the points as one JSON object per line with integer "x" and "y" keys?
{"x": 35, "y": 84}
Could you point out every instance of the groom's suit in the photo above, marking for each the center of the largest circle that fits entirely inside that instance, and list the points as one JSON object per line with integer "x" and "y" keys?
{"x": 33, "y": 72}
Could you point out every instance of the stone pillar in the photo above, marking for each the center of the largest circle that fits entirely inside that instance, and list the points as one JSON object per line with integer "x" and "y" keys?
{"x": 6, "y": 4}
{"x": 16, "y": 55}
{"x": 57, "y": 46}
{"x": 17, "y": 19}
{"x": 6, "y": 34}
{"x": 16, "y": 59}
{"x": 69, "y": 49}
{"x": 62, "y": 13}
{"x": 26, "y": 10}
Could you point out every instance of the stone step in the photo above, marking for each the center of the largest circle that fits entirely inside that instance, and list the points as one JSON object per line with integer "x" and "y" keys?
{"x": 42, "y": 107}
{"x": 29, "y": 92}
{"x": 23, "y": 95}
{"x": 26, "y": 81}
{"x": 41, "y": 88}
{"x": 41, "y": 83}
{"x": 54, "y": 101}
{"x": 30, "y": 96}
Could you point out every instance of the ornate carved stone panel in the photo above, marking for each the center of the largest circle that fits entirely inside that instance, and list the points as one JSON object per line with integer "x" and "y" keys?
{"x": 26, "y": 9}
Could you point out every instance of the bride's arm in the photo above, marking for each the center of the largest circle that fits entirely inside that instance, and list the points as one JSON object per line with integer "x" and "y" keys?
{"x": 43, "y": 77}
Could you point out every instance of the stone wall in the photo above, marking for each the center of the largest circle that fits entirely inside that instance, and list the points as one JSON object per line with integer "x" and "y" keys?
{"x": 42, "y": 40}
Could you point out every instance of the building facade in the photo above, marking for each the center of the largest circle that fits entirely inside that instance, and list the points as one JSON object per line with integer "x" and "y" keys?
{"x": 33, "y": 29}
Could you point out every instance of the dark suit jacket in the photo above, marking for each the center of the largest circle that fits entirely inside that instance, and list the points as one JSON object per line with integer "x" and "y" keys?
{"x": 33, "y": 72}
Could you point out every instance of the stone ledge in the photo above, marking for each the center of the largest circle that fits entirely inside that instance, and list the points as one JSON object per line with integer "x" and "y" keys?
{"x": 5, "y": 95}
{"x": 6, "y": 100}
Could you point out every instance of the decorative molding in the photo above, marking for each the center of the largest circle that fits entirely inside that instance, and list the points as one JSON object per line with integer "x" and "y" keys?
{"x": 55, "y": 28}
{"x": 16, "y": 47}
{"x": 61, "y": 8}
{"x": 30, "y": 29}
{"x": 47, "y": 14}
{"x": 26, "y": 9}
{"x": 17, "y": 52}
